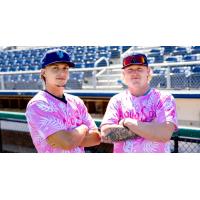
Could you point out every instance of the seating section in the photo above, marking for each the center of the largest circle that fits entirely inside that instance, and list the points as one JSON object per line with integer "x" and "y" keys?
{"x": 86, "y": 56}
{"x": 29, "y": 60}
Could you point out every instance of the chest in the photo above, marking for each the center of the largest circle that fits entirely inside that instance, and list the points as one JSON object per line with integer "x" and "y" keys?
{"x": 143, "y": 110}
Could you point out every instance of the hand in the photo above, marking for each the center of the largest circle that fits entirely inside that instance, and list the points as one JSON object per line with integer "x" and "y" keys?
{"x": 82, "y": 129}
{"x": 127, "y": 122}
{"x": 116, "y": 134}
{"x": 93, "y": 131}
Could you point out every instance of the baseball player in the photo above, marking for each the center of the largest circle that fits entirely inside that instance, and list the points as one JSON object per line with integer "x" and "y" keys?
{"x": 139, "y": 119}
{"x": 59, "y": 122}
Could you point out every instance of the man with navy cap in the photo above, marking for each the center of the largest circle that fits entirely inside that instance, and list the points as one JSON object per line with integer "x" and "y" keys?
{"x": 59, "y": 122}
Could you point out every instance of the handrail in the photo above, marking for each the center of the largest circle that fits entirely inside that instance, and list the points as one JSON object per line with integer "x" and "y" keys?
{"x": 94, "y": 74}
{"x": 103, "y": 69}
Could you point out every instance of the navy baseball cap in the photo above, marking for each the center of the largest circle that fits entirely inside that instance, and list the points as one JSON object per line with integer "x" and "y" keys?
{"x": 56, "y": 56}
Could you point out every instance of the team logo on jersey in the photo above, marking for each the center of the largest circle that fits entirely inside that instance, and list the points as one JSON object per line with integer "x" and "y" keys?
{"x": 60, "y": 54}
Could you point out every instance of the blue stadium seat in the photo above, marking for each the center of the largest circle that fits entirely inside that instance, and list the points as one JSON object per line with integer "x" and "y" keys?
{"x": 89, "y": 64}
{"x": 79, "y": 64}
{"x": 33, "y": 67}
{"x": 115, "y": 52}
{"x": 158, "y": 59}
{"x": 151, "y": 60}
{"x": 155, "y": 52}
{"x": 190, "y": 57}
{"x": 195, "y": 49}
{"x": 104, "y": 54}
{"x": 76, "y": 80}
{"x": 168, "y": 49}
{"x": 180, "y": 51}
{"x": 91, "y": 49}
{"x": 103, "y": 48}
{"x": 125, "y": 48}
{"x": 5, "y": 69}
{"x": 172, "y": 59}
{"x": 23, "y": 67}
{"x": 196, "y": 69}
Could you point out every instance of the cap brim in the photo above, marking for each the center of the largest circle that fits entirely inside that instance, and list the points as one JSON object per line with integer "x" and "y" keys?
{"x": 134, "y": 64}
{"x": 71, "y": 64}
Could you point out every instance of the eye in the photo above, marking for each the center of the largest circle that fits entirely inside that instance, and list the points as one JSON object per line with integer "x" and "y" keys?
{"x": 55, "y": 68}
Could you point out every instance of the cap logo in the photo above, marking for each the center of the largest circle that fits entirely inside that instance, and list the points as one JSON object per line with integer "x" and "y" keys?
{"x": 60, "y": 54}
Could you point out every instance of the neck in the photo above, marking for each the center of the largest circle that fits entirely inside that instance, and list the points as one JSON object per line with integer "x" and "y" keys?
{"x": 138, "y": 91}
{"x": 58, "y": 91}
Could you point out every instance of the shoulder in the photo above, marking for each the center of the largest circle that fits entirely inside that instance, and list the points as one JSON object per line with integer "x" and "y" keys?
{"x": 40, "y": 97}
{"x": 161, "y": 94}
{"x": 120, "y": 96}
{"x": 73, "y": 99}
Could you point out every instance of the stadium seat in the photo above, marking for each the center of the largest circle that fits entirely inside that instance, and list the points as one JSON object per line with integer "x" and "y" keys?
{"x": 195, "y": 49}
{"x": 172, "y": 59}
{"x": 125, "y": 48}
{"x": 196, "y": 69}
{"x": 167, "y": 50}
{"x": 151, "y": 60}
{"x": 180, "y": 51}
{"x": 190, "y": 58}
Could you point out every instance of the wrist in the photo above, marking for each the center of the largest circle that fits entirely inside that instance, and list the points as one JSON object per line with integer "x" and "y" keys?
{"x": 124, "y": 124}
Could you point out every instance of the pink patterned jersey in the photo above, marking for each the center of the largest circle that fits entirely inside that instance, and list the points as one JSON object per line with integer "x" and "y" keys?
{"x": 46, "y": 115}
{"x": 154, "y": 106}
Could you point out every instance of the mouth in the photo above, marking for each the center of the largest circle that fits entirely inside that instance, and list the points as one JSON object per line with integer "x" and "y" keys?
{"x": 135, "y": 78}
{"x": 61, "y": 79}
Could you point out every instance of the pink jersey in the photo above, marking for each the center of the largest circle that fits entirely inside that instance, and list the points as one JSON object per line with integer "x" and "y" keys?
{"x": 154, "y": 106}
{"x": 46, "y": 115}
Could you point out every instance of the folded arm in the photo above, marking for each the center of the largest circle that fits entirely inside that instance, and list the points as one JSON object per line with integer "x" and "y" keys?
{"x": 115, "y": 133}
{"x": 154, "y": 131}
{"x": 68, "y": 140}
{"x": 91, "y": 139}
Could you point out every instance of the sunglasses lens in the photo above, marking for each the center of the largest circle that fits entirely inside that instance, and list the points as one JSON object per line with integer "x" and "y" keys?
{"x": 135, "y": 59}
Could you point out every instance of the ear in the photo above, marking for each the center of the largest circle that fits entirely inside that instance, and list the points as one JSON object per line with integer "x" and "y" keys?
{"x": 43, "y": 72}
{"x": 150, "y": 72}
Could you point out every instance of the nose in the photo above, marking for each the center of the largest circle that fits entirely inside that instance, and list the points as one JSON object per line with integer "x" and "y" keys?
{"x": 62, "y": 71}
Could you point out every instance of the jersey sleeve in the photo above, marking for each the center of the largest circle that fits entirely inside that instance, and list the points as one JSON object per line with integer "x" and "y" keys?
{"x": 41, "y": 119}
{"x": 166, "y": 110}
{"x": 111, "y": 115}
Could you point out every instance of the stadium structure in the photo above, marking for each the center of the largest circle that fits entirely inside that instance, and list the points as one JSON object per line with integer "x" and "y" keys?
{"x": 95, "y": 79}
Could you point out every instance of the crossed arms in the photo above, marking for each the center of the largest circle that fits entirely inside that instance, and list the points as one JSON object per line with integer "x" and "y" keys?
{"x": 130, "y": 128}
{"x": 78, "y": 137}
{"x": 127, "y": 129}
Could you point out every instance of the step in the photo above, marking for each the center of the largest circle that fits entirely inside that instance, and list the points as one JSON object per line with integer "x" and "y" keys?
{"x": 117, "y": 87}
{"x": 112, "y": 76}
{"x": 107, "y": 81}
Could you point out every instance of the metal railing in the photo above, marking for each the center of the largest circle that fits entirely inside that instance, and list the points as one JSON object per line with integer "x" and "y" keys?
{"x": 166, "y": 81}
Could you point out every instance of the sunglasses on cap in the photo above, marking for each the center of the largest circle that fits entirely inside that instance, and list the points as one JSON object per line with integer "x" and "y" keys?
{"x": 138, "y": 59}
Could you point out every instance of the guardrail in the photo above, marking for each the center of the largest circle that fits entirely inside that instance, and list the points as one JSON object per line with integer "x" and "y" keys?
{"x": 187, "y": 139}
{"x": 97, "y": 71}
